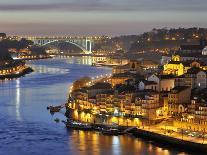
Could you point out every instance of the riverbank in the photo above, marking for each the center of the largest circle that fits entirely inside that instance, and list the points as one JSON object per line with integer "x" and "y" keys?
{"x": 169, "y": 140}
{"x": 26, "y": 58}
{"x": 18, "y": 74}
{"x": 147, "y": 133}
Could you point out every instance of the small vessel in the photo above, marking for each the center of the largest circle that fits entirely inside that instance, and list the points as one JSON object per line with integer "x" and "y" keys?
{"x": 54, "y": 109}
{"x": 57, "y": 120}
{"x": 78, "y": 126}
{"x": 112, "y": 132}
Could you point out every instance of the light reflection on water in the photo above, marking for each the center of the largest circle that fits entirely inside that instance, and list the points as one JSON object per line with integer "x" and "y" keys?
{"x": 26, "y": 127}
{"x": 18, "y": 116}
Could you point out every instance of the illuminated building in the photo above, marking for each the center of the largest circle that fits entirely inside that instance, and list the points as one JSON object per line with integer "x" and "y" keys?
{"x": 12, "y": 68}
{"x": 144, "y": 84}
{"x": 175, "y": 66}
{"x": 196, "y": 52}
{"x": 178, "y": 99}
{"x": 178, "y": 67}
{"x": 135, "y": 66}
{"x": 194, "y": 78}
{"x": 151, "y": 108}
{"x": 164, "y": 82}
{"x": 195, "y": 119}
{"x": 121, "y": 78}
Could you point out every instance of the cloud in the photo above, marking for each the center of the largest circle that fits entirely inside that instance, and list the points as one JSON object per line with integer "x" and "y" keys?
{"x": 109, "y": 5}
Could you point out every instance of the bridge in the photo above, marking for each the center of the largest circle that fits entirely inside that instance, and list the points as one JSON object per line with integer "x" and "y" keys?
{"x": 84, "y": 43}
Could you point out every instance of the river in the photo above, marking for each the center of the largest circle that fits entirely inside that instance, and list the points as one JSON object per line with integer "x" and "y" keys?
{"x": 26, "y": 127}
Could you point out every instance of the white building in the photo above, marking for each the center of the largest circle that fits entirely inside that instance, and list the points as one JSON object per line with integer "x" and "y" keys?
{"x": 164, "y": 82}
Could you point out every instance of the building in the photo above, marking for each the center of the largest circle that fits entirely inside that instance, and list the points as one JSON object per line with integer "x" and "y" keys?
{"x": 144, "y": 85}
{"x": 121, "y": 69}
{"x": 122, "y": 78}
{"x": 201, "y": 79}
{"x": 151, "y": 107}
{"x": 132, "y": 66}
{"x": 178, "y": 99}
{"x": 175, "y": 66}
{"x": 100, "y": 87}
{"x": 189, "y": 53}
{"x": 194, "y": 78}
{"x": 164, "y": 82}
{"x": 135, "y": 66}
{"x": 195, "y": 119}
{"x": 178, "y": 67}
{"x": 193, "y": 49}
{"x": 12, "y": 68}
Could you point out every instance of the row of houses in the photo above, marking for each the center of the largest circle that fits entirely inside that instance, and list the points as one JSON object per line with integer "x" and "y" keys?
{"x": 13, "y": 67}
{"x": 152, "y": 97}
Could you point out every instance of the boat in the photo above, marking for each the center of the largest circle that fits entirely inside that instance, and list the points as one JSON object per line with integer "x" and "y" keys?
{"x": 112, "y": 132}
{"x": 78, "y": 126}
{"x": 54, "y": 109}
{"x": 57, "y": 120}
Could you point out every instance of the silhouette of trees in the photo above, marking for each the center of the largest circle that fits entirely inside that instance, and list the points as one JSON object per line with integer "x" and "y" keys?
{"x": 23, "y": 43}
{"x": 81, "y": 83}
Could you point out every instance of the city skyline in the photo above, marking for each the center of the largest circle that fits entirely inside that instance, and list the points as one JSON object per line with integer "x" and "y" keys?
{"x": 98, "y": 17}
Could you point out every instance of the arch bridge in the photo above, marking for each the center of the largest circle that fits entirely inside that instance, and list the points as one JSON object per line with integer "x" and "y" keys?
{"x": 84, "y": 43}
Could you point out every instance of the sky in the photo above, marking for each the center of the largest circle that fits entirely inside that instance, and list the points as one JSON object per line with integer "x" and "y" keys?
{"x": 98, "y": 17}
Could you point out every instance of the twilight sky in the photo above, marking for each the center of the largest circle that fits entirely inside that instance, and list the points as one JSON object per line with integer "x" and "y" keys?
{"x": 98, "y": 17}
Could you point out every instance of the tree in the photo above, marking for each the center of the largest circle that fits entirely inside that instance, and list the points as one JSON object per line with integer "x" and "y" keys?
{"x": 37, "y": 50}
{"x": 4, "y": 55}
{"x": 81, "y": 83}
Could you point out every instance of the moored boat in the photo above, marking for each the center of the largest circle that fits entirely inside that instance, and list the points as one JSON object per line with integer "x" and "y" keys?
{"x": 112, "y": 132}
{"x": 54, "y": 109}
{"x": 78, "y": 126}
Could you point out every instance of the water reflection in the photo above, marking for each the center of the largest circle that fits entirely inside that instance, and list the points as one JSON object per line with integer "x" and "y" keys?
{"x": 81, "y": 142}
{"x": 18, "y": 116}
{"x": 116, "y": 145}
{"x": 85, "y": 60}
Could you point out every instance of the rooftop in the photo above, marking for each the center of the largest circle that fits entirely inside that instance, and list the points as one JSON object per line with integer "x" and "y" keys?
{"x": 178, "y": 89}
{"x": 127, "y": 74}
{"x": 148, "y": 82}
{"x": 191, "y": 47}
{"x": 127, "y": 66}
{"x": 100, "y": 85}
{"x": 194, "y": 70}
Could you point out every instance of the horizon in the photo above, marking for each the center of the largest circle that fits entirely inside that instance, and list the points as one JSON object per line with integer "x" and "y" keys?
{"x": 100, "y": 35}
{"x": 98, "y": 17}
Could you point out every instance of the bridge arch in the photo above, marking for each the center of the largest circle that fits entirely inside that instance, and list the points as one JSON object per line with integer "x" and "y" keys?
{"x": 85, "y": 51}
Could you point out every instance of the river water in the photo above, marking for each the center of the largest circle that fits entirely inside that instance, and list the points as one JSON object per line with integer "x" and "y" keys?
{"x": 26, "y": 127}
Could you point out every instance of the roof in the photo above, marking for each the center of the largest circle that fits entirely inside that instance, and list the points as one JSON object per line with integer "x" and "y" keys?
{"x": 127, "y": 66}
{"x": 127, "y": 74}
{"x": 149, "y": 62}
{"x": 125, "y": 88}
{"x": 169, "y": 76}
{"x": 175, "y": 62}
{"x": 188, "y": 62}
{"x": 191, "y": 47}
{"x": 148, "y": 82}
{"x": 146, "y": 92}
{"x": 100, "y": 85}
{"x": 178, "y": 89}
{"x": 193, "y": 70}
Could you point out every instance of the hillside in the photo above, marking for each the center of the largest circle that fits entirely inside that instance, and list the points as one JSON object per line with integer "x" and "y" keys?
{"x": 157, "y": 39}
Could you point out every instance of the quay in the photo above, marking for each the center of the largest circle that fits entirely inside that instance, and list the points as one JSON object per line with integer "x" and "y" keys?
{"x": 170, "y": 140}
{"x": 149, "y": 133}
